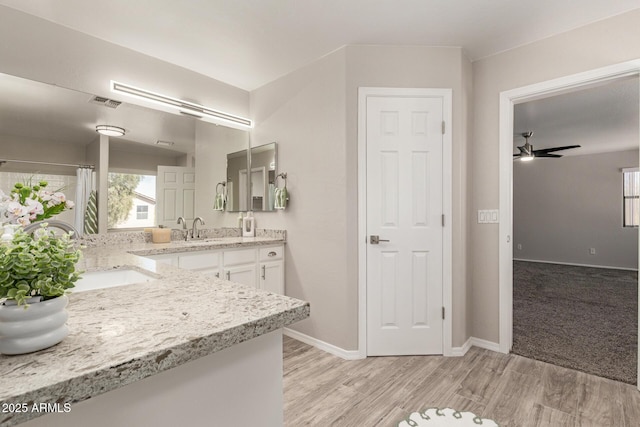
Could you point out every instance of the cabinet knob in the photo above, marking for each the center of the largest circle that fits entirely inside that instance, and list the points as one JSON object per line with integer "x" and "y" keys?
{"x": 272, "y": 253}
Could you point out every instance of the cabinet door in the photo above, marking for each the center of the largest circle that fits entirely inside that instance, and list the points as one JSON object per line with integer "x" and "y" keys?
{"x": 170, "y": 259}
{"x": 245, "y": 274}
{"x": 272, "y": 277}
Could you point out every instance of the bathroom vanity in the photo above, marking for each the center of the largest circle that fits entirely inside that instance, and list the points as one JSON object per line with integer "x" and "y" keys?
{"x": 260, "y": 267}
{"x": 185, "y": 348}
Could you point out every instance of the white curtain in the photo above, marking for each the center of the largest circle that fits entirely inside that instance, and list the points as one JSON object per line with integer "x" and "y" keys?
{"x": 85, "y": 183}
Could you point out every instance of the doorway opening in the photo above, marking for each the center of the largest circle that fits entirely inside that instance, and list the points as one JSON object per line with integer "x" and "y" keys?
{"x": 508, "y": 101}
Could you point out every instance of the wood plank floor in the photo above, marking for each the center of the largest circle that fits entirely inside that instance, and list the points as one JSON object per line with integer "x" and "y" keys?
{"x": 324, "y": 390}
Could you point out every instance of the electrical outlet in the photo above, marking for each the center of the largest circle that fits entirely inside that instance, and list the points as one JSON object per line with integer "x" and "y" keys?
{"x": 592, "y": 251}
{"x": 519, "y": 246}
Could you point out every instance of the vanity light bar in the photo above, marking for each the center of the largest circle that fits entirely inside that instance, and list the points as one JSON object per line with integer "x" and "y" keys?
{"x": 185, "y": 107}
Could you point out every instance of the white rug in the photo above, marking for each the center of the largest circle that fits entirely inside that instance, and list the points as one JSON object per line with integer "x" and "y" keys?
{"x": 434, "y": 417}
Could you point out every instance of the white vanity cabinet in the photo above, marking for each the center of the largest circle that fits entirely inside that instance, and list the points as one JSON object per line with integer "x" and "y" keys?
{"x": 261, "y": 267}
{"x": 272, "y": 269}
{"x": 239, "y": 265}
{"x": 207, "y": 262}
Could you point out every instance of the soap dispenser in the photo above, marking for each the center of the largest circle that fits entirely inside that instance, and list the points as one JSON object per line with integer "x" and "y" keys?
{"x": 248, "y": 225}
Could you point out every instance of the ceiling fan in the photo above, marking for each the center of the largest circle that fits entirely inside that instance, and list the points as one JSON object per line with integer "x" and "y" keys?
{"x": 527, "y": 152}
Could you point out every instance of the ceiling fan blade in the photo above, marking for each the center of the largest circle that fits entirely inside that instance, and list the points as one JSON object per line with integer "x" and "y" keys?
{"x": 548, "y": 155}
{"x": 552, "y": 149}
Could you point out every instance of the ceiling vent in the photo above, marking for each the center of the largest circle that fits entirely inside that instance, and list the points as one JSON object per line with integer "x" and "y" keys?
{"x": 106, "y": 102}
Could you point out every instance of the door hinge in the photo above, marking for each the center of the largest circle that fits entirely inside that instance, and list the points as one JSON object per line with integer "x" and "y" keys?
{"x": 443, "y": 220}
{"x": 442, "y": 313}
{"x": 443, "y": 127}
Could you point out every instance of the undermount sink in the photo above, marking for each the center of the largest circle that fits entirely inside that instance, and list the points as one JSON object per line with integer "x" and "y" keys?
{"x": 109, "y": 279}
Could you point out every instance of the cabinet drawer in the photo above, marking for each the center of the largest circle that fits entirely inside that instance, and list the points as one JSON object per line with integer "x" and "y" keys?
{"x": 242, "y": 256}
{"x": 197, "y": 261}
{"x": 271, "y": 254}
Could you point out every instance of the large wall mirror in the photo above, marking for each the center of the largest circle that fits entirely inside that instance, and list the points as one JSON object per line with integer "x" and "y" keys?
{"x": 54, "y": 128}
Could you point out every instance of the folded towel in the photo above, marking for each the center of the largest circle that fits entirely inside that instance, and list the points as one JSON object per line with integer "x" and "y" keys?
{"x": 218, "y": 203}
{"x": 282, "y": 195}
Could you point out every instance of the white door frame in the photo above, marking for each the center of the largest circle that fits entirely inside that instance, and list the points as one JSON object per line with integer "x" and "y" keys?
{"x": 446, "y": 94}
{"x": 507, "y": 101}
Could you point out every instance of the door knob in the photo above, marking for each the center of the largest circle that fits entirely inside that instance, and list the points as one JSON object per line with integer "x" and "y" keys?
{"x": 374, "y": 240}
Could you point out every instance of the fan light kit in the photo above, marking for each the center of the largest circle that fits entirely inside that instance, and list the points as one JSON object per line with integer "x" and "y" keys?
{"x": 183, "y": 107}
{"x": 110, "y": 130}
{"x": 527, "y": 153}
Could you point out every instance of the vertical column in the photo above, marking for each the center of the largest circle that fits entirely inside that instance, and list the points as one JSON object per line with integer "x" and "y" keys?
{"x": 103, "y": 183}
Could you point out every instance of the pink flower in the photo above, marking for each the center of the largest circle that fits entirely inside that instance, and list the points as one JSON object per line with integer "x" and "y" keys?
{"x": 69, "y": 204}
{"x": 16, "y": 209}
{"x": 23, "y": 221}
{"x": 34, "y": 207}
{"x": 58, "y": 198}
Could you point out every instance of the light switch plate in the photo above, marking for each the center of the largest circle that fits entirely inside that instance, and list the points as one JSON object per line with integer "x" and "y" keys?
{"x": 488, "y": 216}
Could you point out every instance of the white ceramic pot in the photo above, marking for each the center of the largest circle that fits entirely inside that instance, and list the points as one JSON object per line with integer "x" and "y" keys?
{"x": 37, "y": 327}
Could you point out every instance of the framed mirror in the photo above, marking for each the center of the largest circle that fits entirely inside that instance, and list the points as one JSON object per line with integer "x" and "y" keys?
{"x": 237, "y": 181}
{"x": 263, "y": 175}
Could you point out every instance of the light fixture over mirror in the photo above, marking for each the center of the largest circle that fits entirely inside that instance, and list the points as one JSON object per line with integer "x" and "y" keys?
{"x": 183, "y": 107}
{"x": 110, "y": 130}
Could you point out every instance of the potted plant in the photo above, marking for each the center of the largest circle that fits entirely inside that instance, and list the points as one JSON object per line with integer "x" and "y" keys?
{"x": 35, "y": 271}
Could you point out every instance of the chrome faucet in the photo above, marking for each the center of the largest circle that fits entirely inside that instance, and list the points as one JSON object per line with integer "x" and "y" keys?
{"x": 183, "y": 222}
{"x": 185, "y": 232}
{"x": 53, "y": 223}
{"x": 195, "y": 233}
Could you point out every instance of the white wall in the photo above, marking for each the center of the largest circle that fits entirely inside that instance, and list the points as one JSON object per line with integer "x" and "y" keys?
{"x": 312, "y": 114}
{"x": 304, "y": 112}
{"x": 603, "y": 43}
{"x": 563, "y": 207}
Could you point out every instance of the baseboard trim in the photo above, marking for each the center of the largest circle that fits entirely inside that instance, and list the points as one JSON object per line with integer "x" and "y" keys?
{"x": 324, "y": 346}
{"x": 487, "y": 345}
{"x": 474, "y": 342}
{"x": 355, "y": 354}
{"x": 461, "y": 351}
{"x": 575, "y": 264}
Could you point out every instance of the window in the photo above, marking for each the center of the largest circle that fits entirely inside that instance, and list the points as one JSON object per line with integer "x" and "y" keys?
{"x": 631, "y": 197}
{"x": 131, "y": 200}
{"x": 142, "y": 212}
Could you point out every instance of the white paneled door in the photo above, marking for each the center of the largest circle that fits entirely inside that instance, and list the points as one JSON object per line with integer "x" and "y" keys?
{"x": 404, "y": 137}
{"x": 175, "y": 193}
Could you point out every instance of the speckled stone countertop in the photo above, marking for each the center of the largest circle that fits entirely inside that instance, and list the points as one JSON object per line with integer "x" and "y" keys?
{"x": 123, "y": 334}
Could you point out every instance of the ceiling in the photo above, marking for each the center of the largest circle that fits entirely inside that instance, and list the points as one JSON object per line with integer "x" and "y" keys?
{"x": 42, "y": 111}
{"x": 600, "y": 119}
{"x": 248, "y": 43}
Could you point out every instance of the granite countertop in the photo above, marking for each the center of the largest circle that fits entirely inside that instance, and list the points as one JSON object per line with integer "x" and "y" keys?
{"x": 123, "y": 334}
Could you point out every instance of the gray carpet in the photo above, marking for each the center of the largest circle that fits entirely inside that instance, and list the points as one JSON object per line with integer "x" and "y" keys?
{"x": 577, "y": 317}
